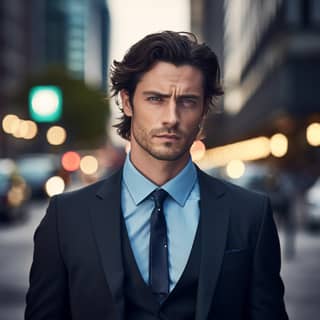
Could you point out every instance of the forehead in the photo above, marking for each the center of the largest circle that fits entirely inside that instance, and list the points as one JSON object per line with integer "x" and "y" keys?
{"x": 168, "y": 77}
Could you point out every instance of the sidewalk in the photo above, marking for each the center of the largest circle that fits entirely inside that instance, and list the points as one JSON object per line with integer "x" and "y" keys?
{"x": 301, "y": 276}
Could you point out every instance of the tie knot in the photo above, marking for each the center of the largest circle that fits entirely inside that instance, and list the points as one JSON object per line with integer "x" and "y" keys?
{"x": 158, "y": 196}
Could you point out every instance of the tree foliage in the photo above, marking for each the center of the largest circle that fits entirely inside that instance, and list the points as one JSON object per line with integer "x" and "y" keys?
{"x": 85, "y": 109}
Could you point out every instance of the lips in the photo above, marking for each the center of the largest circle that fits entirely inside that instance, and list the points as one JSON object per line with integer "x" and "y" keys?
{"x": 168, "y": 136}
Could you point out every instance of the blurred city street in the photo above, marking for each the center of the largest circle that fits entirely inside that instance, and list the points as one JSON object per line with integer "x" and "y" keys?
{"x": 58, "y": 116}
{"x": 16, "y": 247}
{"x": 300, "y": 274}
{"x": 302, "y": 279}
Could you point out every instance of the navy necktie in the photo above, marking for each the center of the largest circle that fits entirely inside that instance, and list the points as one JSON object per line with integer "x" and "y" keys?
{"x": 158, "y": 258}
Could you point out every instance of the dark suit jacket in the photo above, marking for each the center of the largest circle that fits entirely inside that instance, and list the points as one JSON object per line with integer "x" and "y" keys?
{"x": 77, "y": 270}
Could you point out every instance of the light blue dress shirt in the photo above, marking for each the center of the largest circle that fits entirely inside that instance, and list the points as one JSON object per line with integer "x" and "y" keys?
{"x": 181, "y": 210}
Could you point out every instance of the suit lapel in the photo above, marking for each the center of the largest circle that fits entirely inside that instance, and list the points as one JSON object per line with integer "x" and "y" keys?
{"x": 105, "y": 217}
{"x": 214, "y": 219}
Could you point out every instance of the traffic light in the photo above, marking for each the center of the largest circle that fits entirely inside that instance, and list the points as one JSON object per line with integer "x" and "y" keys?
{"x": 45, "y": 103}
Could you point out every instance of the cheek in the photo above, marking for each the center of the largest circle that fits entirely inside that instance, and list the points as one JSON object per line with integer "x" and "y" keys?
{"x": 140, "y": 124}
{"x": 145, "y": 119}
{"x": 193, "y": 123}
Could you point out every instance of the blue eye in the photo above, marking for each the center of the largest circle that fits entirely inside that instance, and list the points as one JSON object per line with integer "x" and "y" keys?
{"x": 188, "y": 103}
{"x": 154, "y": 99}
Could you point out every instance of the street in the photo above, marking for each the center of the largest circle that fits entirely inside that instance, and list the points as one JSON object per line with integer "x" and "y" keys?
{"x": 16, "y": 247}
{"x": 302, "y": 279}
{"x": 300, "y": 274}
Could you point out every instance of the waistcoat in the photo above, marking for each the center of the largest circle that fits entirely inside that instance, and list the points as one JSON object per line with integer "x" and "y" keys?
{"x": 140, "y": 303}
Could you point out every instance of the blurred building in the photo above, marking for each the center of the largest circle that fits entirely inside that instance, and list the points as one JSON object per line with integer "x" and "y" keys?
{"x": 37, "y": 34}
{"x": 71, "y": 33}
{"x": 270, "y": 51}
{"x": 13, "y": 56}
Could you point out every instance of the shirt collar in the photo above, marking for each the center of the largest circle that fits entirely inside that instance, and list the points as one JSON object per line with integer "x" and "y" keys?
{"x": 182, "y": 184}
{"x": 179, "y": 187}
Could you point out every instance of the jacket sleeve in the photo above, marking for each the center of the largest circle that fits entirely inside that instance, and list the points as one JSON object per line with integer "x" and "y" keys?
{"x": 267, "y": 289}
{"x": 47, "y": 297}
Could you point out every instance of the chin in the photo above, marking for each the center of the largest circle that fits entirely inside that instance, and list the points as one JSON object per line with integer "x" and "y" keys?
{"x": 169, "y": 155}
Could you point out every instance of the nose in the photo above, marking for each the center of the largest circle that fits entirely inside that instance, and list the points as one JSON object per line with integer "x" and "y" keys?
{"x": 171, "y": 117}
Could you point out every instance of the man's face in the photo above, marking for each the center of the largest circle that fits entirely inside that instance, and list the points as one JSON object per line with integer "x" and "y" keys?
{"x": 168, "y": 108}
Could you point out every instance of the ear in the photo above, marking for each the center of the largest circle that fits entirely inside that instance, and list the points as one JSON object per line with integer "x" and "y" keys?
{"x": 201, "y": 134}
{"x": 206, "y": 108}
{"x": 126, "y": 105}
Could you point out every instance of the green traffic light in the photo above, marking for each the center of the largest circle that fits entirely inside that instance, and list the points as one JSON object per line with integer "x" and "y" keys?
{"x": 45, "y": 103}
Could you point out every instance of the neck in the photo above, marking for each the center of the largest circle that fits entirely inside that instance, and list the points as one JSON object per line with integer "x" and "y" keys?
{"x": 158, "y": 171}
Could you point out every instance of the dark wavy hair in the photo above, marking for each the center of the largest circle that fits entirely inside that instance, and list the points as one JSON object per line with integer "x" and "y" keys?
{"x": 178, "y": 48}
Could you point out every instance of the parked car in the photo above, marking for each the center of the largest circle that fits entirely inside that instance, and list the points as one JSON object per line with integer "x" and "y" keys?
{"x": 313, "y": 206}
{"x": 259, "y": 178}
{"x": 36, "y": 169}
{"x": 13, "y": 192}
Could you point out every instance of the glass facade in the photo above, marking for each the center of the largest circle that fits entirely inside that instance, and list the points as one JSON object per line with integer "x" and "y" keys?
{"x": 73, "y": 38}
{"x": 246, "y": 24}
{"x": 77, "y": 11}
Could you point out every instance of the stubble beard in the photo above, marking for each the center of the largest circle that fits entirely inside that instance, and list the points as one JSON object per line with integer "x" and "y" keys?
{"x": 167, "y": 151}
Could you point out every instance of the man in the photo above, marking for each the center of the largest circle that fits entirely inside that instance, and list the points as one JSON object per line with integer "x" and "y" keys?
{"x": 159, "y": 239}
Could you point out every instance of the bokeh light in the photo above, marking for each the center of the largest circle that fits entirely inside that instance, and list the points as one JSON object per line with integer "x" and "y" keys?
{"x": 19, "y": 128}
{"x": 279, "y": 145}
{"x": 23, "y": 129}
{"x": 9, "y": 122}
{"x": 313, "y": 134}
{"x": 235, "y": 169}
{"x": 15, "y": 128}
{"x": 54, "y": 185}
{"x": 56, "y": 135}
{"x": 197, "y": 150}
{"x": 45, "y": 102}
{"x": 247, "y": 150}
{"x": 70, "y": 161}
{"x": 89, "y": 165}
{"x": 32, "y": 130}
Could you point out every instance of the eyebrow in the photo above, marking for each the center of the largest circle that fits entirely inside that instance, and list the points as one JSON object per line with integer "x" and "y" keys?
{"x": 166, "y": 95}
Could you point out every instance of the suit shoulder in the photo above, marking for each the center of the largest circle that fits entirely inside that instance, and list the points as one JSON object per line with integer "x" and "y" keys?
{"x": 222, "y": 186}
{"x": 244, "y": 192}
{"x": 243, "y": 203}
{"x": 85, "y": 193}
